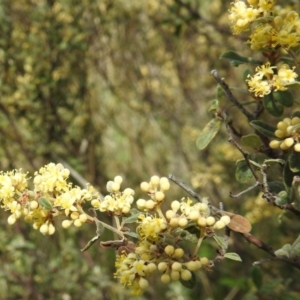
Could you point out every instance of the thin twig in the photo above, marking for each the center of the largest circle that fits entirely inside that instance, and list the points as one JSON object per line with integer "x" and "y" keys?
{"x": 230, "y": 96}
{"x": 185, "y": 187}
{"x": 257, "y": 183}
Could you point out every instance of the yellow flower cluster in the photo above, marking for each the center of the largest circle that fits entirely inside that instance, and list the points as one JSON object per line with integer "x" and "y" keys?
{"x": 51, "y": 196}
{"x": 156, "y": 189}
{"x": 288, "y": 131}
{"x": 269, "y": 30}
{"x": 265, "y": 80}
{"x": 182, "y": 213}
{"x": 157, "y": 246}
{"x": 117, "y": 202}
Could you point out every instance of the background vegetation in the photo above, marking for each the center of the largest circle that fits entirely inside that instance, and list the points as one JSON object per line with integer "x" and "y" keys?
{"x": 123, "y": 87}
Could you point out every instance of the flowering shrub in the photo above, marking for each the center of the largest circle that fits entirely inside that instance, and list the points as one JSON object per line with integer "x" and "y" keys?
{"x": 169, "y": 240}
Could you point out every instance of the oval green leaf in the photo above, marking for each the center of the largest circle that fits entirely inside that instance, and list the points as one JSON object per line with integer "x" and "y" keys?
{"x": 251, "y": 141}
{"x": 263, "y": 128}
{"x": 233, "y": 256}
{"x": 271, "y": 106}
{"x": 45, "y": 203}
{"x": 242, "y": 173}
{"x": 285, "y": 98}
{"x": 208, "y": 133}
{"x": 282, "y": 198}
{"x": 236, "y": 59}
{"x": 220, "y": 241}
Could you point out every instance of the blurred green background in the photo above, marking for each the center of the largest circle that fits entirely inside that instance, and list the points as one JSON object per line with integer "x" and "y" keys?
{"x": 122, "y": 87}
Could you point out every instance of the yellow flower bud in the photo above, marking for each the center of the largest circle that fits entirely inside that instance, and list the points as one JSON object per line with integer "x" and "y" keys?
{"x": 186, "y": 275}
{"x": 169, "y": 250}
{"x": 51, "y": 229}
{"x": 141, "y": 203}
{"x": 295, "y": 121}
{"x": 297, "y": 147}
{"x": 118, "y": 179}
{"x": 77, "y": 223}
{"x": 202, "y": 221}
{"x": 175, "y": 205}
{"x": 150, "y": 204}
{"x": 154, "y": 180}
{"x": 145, "y": 186}
{"x": 44, "y": 228}
{"x": 11, "y": 219}
{"x": 159, "y": 196}
{"x": 165, "y": 278}
{"x": 174, "y": 222}
{"x": 178, "y": 253}
{"x": 83, "y": 218}
{"x": 203, "y": 207}
{"x": 204, "y": 261}
{"x": 34, "y": 204}
{"x": 162, "y": 266}
{"x": 115, "y": 187}
{"x": 275, "y": 144}
{"x": 226, "y": 219}
{"x": 151, "y": 267}
{"x": 66, "y": 223}
{"x": 194, "y": 215}
{"x": 165, "y": 186}
{"x": 182, "y": 222}
{"x": 143, "y": 283}
{"x": 175, "y": 275}
{"x": 176, "y": 266}
{"x": 170, "y": 214}
{"x": 279, "y": 133}
{"x": 193, "y": 265}
{"x": 210, "y": 221}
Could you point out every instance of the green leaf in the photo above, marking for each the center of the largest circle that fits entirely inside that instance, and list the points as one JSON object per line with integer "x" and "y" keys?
{"x": 245, "y": 74}
{"x": 271, "y": 106}
{"x": 242, "y": 173}
{"x": 100, "y": 228}
{"x": 257, "y": 277}
{"x": 208, "y": 133}
{"x": 295, "y": 250}
{"x": 251, "y": 141}
{"x": 282, "y": 198}
{"x": 294, "y": 161}
{"x": 276, "y": 186}
{"x": 236, "y": 59}
{"x": 219, "y": 92}
{"x": 243, "y": 91}
{"x": 132, "y": 234}
{"x": 220, "y": 241}
{"x": 45, "y": 203}
{"x": 233, "y": 256}
{"x": 131, "y": 219}
{"x": 274, "y": 161}
{"x": 288, "y": 175}
{"x": 214, "y": 105}
{"x": 284, "y": 251}
{"x": 285, "y": 98}
{"x": 190, "y": 284}
{"x": 263, "y": 128}
{"x": 90, "y": 243}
